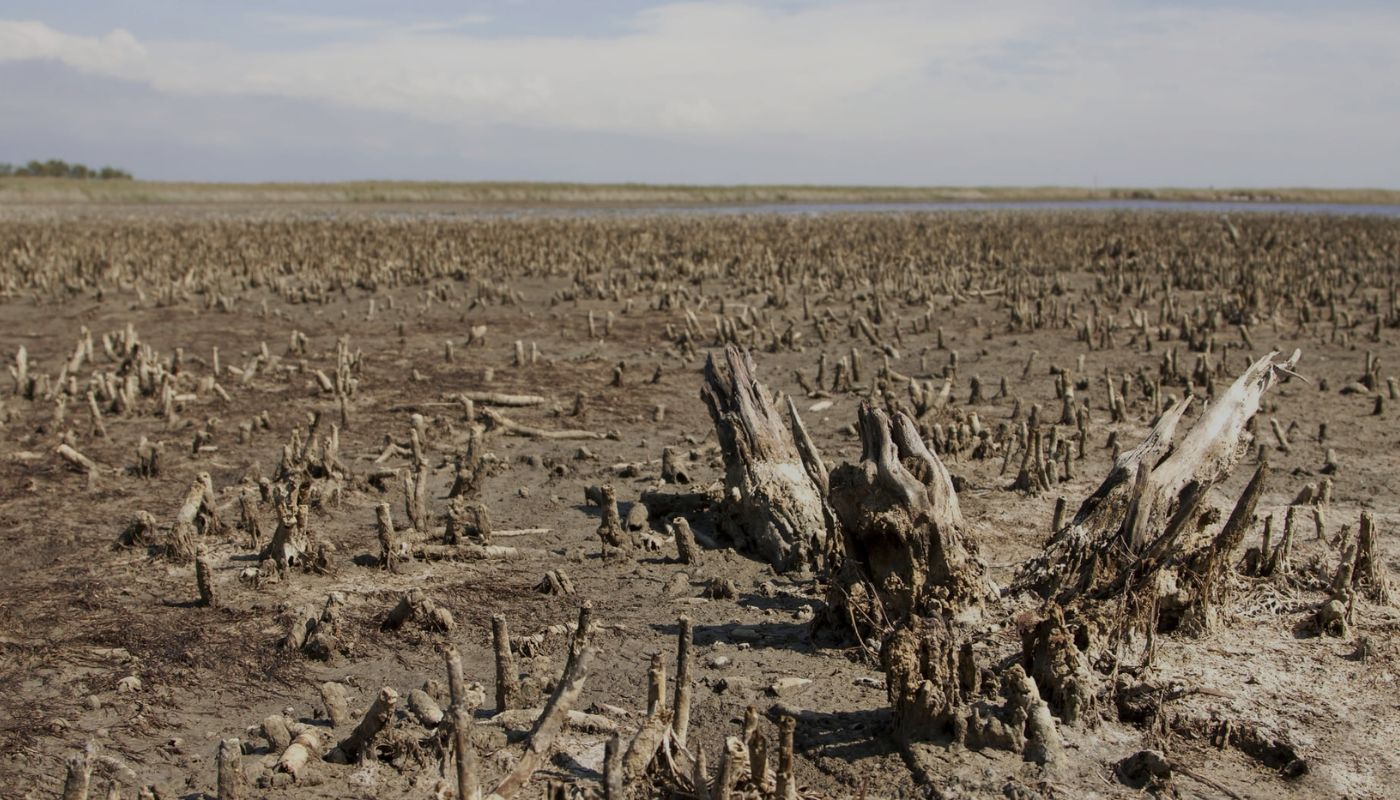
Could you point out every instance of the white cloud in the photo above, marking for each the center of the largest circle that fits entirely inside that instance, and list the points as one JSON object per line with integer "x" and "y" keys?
{"x": 1075, "y": 81}
{"x": 114, "y": 53}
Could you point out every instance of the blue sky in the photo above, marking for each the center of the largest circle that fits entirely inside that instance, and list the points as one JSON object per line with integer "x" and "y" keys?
{"x": 1070, "y": 92}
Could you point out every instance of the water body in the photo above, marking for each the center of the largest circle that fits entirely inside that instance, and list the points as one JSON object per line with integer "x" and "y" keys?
{"x": 1107, "y": 206}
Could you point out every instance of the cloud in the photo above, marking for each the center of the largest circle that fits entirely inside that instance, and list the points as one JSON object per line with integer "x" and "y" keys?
{"x": 1017, "y": 91}
{"x": 113, "y": 53}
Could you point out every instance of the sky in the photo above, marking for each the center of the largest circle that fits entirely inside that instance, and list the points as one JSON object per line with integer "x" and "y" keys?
{"x": 873, "y": 92}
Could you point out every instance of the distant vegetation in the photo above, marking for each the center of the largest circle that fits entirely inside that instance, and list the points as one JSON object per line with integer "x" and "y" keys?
{"x": 58, "y": 168}
{"x": 31, "y": 191}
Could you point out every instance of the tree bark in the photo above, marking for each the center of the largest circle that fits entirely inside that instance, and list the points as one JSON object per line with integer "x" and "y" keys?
{"x": 772, "y": 506}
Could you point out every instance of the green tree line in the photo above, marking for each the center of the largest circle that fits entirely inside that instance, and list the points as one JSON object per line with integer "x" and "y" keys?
{"x": 58, "y": 168}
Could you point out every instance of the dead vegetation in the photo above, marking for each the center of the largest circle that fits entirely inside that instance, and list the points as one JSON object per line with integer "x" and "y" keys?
{"x": 267, "y": 480}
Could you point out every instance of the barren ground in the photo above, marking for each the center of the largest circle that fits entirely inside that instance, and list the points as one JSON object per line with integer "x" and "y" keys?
{"x": 78, "y": 615}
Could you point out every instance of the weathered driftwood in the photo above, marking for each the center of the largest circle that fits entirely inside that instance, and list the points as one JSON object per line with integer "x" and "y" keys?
{"x": 510, "y": 426}
{"x": 198, "y": 515}
{"x": 1207, "y": 569}
{"x": 78, "y": 460}
{"x": 1135, "y": 560}
{"x": 671, "y": 470}
{"x": 416, "y": 606}
{"x": 547, "y": 728}
{"x": 337, "y": 704}
{"x": 502, "y": 399}
{"x": 464, "y": 702}
{"x": 771, "y": 505}
{"x": 379, "y": 716}
{"x": 507, "y": 679}
{"x": 388, "y": 541}
{"x": 686, "y": 550}
{"x": 78, "y": 776}
{"x": 142, "y": 531}
{"x": 469, "y": 552}
{"x": 467, "y": 521}
{"x": 661, "y": 505}
{"x": 302, "y": 750}
{"x": 610, "y": 529}
{"x": 290, "y": 541}
{"x": 680, "y": 704}
{"x": 904, "y": 551}
{"x": 555, "y": 582}
{"x": 469, "y": 467}
{"x": 204, "y": 579}
{"x": 425, "y": 708}
{"x": 1114, "y": 526}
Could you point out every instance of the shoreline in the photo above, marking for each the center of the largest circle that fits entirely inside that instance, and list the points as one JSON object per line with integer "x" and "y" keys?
{"x": 516, "y": 196}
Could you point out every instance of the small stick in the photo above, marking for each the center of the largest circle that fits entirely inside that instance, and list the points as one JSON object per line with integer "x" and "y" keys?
{"x": 77, "y": 459}
{"x": 681, "y": 702}
{"x": 510, "y": 426}
{"x": 656, "y": 685}
{"x": 98, "y": 428}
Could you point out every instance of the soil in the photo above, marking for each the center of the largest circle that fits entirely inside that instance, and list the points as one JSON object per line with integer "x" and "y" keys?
{"x": 80, "y": 616}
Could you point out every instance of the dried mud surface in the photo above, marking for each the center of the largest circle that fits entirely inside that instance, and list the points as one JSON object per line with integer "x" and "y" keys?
{"x": 79, "y": 616}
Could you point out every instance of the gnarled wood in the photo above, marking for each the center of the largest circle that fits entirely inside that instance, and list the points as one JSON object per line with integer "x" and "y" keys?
{"x": 772, "y": 505}
{"x": 904, "y": 550}
{"x": 1116, "y": 524}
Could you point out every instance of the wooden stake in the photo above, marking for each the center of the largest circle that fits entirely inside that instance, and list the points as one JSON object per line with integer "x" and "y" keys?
{"x": 232, "y": 782}
{"x": 681, "y": 703}
{"x": 507, "y": 680}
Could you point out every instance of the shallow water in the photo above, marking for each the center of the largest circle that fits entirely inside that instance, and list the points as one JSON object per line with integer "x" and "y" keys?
{"x": 816, "y": 209}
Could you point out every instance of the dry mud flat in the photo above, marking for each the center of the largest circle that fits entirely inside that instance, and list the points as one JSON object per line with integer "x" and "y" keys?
{"x": 880, "y": 506}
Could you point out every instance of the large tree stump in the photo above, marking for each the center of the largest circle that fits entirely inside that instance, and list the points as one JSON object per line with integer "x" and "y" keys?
{"x": 904, "y": 551}
{"x": 772, "y": 505}
{"x": 1121, "y": 521}
{"x": 1137, "y": 559}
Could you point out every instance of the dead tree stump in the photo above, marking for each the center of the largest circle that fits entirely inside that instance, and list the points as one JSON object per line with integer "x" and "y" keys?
{"x": 467, "y": 521}
{"x": 1123, "y": 519}
{"x": 1136, "y": 560}
{"x": 772, "y": 505}
{"x": 904, "y": 553}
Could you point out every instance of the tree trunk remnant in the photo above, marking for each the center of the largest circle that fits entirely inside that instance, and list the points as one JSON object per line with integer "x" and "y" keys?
{"x": 904, "y": 552}
{"x": 772, "y": 505}
{"x": 1136, "y": 560}
{"x": 1145, "y": 488}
